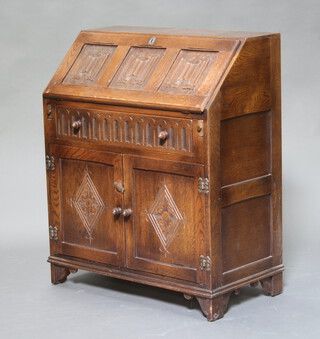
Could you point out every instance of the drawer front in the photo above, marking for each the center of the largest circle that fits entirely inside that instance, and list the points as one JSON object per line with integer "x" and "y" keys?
{"x": 127, "y": 130}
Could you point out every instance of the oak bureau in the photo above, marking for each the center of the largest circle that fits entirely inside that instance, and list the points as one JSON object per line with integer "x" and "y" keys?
{"x": 163, "y": 157}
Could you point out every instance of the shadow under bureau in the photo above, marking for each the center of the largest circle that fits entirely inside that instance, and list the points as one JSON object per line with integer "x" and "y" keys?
{"x": 163, "y": 157}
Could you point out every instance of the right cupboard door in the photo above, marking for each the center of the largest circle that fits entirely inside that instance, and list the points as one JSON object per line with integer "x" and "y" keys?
{"x": 165, "y": 232}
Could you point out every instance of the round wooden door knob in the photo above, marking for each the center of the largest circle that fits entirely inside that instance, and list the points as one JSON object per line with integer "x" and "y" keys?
{"x": 163, "y": 135}
{"x": 127, "y": 212}
{"x": 76, "y": 124}
{"x": 116, "y": 211}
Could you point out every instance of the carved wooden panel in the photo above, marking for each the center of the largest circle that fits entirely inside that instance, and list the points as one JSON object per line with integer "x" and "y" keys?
{"x": 137, "y": 68}
{"x": 82, "y": 197}
{"x": 188, "y": 72}
{"x": 88, "y": 204}
{"x": 123, "y": 129}
{"x": 165, "y": 217}
{"x": 87, "y": 199}
{"x": 89, "y": 65}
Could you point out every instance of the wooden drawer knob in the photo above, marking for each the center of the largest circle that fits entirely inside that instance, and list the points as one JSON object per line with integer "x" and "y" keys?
{"x": 163, "y": 135}
{"x": 127, "y": 212}
{"x": 76, "y": 124}
{"x": 116, "y": 211}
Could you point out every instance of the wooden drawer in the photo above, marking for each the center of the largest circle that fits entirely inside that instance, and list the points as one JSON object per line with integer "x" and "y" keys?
{"x": 128, "y": 130}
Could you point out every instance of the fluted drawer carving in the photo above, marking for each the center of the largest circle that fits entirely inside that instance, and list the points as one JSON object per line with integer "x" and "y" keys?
{"x": 125, "y": 129}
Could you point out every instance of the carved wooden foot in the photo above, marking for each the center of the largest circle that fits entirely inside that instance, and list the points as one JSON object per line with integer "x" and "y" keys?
{"x": 215, "y": 308}
{"x": 190, "y": 300}
{"x": 59, "y": 273}
{"x": 272, "y": 286}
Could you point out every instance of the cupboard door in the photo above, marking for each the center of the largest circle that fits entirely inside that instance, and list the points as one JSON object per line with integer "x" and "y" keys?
{"x": 82, "y": 198}
{"x": 164, "y": 233}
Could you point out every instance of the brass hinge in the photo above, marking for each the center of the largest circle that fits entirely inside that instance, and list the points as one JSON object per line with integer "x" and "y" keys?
{"x": 53, "y": 232}
{"x": 203, "y": 185}
{"x": 205, "y": 263}
{"x": 50, "y": 163}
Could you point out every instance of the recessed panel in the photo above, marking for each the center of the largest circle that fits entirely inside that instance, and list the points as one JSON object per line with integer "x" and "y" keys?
{"x": 164, "y": 220}
{"x": 137, "y": 68}
{"x": 86, "y": 206}
{"x": 188, "y": 72}
{"x": 89, "y": 65}
{"x": 245, "y": 147}
{"x": 246, "y": 232}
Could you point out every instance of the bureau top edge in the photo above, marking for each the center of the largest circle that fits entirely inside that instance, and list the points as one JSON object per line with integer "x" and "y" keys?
{"x": 224, "y": 34}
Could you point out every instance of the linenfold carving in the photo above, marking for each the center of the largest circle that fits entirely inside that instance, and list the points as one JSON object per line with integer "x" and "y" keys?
{"x": 188, "y": 72}
{"x": 89, "y": 65}
{"x": 137, "y": 68}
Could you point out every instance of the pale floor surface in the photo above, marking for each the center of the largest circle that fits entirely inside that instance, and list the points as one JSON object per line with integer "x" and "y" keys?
{"x": 93, "y": 306}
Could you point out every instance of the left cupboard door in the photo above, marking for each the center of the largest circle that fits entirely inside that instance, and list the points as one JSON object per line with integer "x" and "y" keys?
{"x": 82, "y": 202}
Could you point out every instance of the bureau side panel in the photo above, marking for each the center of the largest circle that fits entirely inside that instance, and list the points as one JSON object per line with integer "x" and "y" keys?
{"x": 250, "y": 166}
{"x": 246, "y": 195}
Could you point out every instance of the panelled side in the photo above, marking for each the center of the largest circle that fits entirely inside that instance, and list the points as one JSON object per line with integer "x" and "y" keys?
{"x": 250, "y": 162}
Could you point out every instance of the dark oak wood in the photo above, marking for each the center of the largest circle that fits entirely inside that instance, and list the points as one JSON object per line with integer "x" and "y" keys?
{"x": 161, "y": 232}
{"x": 245, "y": 147}
{"x": 214, "y": 308}
{"x": 246, "y": 88}
{"x": 163, "y": 155}
{"x": 273, "y": 285}
{"x": 248, "y": 189}
{"x": 213, "y": 207}
{"x": 59, "y": 274}
{"x": 248, "y": 224}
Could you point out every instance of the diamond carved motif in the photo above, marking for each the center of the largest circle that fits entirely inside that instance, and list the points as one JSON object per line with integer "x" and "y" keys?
{"x": 88, "y": 204}
{"x": 165, "y": 217}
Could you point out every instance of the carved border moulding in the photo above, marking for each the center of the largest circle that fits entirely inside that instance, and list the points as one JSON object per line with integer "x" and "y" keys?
{"x": 188, "y": 72}
{"x": 165, "y": 217}
{"x": 137, "y": 68}
{"x": 89, "y": 65}
{"x": 88, "y": 204}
